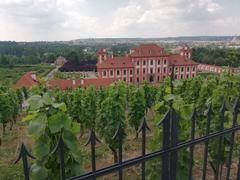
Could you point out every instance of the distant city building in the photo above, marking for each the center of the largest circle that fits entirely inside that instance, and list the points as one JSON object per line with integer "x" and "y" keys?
{"x": 28, "y": 80}
{"x": 217, "y": 69}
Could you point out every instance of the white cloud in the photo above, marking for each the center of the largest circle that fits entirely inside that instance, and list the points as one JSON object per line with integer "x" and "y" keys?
{"x": 70, "y": 19}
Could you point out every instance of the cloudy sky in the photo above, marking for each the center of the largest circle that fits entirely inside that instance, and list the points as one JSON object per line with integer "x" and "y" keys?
{"x": 33, "y": 20}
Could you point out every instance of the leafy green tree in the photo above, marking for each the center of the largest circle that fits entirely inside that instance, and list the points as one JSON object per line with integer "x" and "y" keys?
{"x": 149, "y": 95}
{"x": 136, "y": 109}
{"x": 20, "y": 97}
{"x": 25, "y": 92}
{"x": 47, "y": 122}
{"x": 73, "y": 57}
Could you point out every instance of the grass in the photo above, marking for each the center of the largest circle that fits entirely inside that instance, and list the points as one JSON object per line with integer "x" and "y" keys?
{"x": 10, "y": 75}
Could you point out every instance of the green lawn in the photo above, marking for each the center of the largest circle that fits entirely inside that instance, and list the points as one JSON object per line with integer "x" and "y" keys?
{"x": 9, "y": 76}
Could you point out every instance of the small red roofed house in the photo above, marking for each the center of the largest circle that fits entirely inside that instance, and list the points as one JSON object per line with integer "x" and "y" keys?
{"x": 27, "y": 80}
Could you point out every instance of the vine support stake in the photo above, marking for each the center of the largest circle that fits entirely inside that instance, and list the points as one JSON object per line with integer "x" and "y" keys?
{"x": 60, "y": 148}
{"x": 23, "y": 154}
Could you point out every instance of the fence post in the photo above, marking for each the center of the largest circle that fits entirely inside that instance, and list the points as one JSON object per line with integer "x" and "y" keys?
{"x": 23, "y": 154}
{"x": 119, "y": 135}
{"x": 165, "y": 145}
{"x": 235, "y": 115}
{"x": 219, "y": 152}
{"x": 193, "y": 123}
{"x": 209, "y": 116}
{"x": 174, "y": 141}
{"x": 92, "y": 139}
{"x": 142, "y": 129}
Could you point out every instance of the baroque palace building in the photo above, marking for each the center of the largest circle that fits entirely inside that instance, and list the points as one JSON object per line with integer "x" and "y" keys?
{"x": 147, "y": 62}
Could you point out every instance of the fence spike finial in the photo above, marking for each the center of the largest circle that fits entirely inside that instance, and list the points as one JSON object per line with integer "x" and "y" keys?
{"x": 194, "y": 114}
{"x": 165, "y": 118}
{"x": 118, "y": 131}
{"x": 23, "y": 154}
{"x": 143, "y": 125}
{"x": 92, "y": 137}
{"x": 223, "y": 107}
{"x": 209, "y": 111}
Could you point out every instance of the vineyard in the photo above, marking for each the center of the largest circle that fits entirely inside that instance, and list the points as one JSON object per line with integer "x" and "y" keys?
{"x": 103, "y": 117}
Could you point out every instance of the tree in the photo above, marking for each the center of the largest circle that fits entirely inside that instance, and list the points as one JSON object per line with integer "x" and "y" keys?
{"x": 136, "y": 109}
{"x": 149, "y": 95}
{"x": 73, "y": 57}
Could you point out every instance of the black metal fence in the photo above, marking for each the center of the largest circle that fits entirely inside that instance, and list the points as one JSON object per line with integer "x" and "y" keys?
{"x": 168, "y": 153}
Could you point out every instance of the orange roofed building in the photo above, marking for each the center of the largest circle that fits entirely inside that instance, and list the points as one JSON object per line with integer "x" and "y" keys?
{"x": 147, "y": 62}
{"x": 28, "y": 80}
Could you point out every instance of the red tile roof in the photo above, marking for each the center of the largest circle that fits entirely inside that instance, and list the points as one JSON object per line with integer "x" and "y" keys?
{"x": 102, "y": 51}
{"x": 147, "y": 50}
{"x": 180, "y": 60}
{"x": 27, "y": 80}
{"x": 116, "y": 62}
{"x": 73, "y": 84}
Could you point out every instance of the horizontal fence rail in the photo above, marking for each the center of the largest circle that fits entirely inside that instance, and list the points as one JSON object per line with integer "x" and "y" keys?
{"x": 169, "y": 152}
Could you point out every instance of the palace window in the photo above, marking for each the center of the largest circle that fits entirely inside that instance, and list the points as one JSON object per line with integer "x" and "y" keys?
{"x": 104, "y": 73}
{"x": 158, "y": 78}
{"x": 137, "y": 71}
{"x": 138, "y": 63}
{"x": 111, "y": 73}
{"x": 144, "y": 62}
{"x": 187, "y": 76}
{"x": 165, "y": 61}
{"x": 187, "y": 69}
{"x": 159, "y": 62}
{"x": 137, "y": 79}
{"x": 158, "y": 70}
{"x": 144, "y": 70}
{"x": 151, "y": 62}
{"x": 124, "y": 72}
{"x": 175, "y": 77}
{"x": 151, "y": 70}
{"x": 124, "y": 79}
{"x": 118, "y": 72}
{"x": 164, "y": 70}
{"x": 182, "y": 69}
{"x": 193, "y": 69}
{"x": 143, "y": 78}
{"x": 131, "y": 71}
{"x": 181, "y": 76}
{"x": 131, "y": 79}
